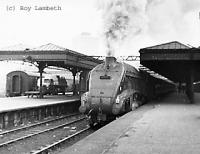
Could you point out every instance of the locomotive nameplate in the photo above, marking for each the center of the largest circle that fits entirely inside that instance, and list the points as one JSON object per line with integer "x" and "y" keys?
{"x": 105, "y": 77}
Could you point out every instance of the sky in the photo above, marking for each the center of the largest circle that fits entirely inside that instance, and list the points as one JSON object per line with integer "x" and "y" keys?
{"x": 82, "y": 25}
{"x": 77, "y": 21}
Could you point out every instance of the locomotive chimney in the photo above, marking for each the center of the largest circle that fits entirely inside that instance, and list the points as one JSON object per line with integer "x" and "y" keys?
{"x": 109, "y": 60}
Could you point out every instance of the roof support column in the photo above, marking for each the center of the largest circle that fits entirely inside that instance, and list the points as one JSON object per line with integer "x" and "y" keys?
{"x": 83, "y": 82}
{"x": 41, "y": 67}
{"x": 74, "y": 71}
{"x": 189, "y": 85}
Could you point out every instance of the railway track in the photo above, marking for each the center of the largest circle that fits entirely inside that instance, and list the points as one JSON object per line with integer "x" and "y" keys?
{"x": 14, "y": 141}
{"x": 60, "y": 142}
{"x": 37, "y": 124}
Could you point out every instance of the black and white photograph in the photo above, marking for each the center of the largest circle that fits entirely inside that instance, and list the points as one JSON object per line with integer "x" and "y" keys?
{"x": 99, "y": 77}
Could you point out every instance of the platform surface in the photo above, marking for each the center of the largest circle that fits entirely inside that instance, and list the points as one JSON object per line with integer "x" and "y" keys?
{"x": 169, "y": 126}
{"x": 22, "y": 102}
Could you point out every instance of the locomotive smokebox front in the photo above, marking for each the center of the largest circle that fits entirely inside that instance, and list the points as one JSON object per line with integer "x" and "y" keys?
{"x": 109, "y": 61}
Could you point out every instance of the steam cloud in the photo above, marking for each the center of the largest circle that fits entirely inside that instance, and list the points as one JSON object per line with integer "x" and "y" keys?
{"x": 122, "y": 18}
{"x": 125, "y": 19}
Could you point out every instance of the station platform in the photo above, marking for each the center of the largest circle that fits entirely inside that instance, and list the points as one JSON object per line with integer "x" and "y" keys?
{"x": 20, "y": 111}
{"x": 23, "y": 102}
{"x": 167, "y": 126}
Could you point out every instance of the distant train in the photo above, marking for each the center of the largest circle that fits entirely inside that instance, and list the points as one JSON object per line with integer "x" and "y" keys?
{"x": 116, "y": 88}
{"x": 18, "y": 82}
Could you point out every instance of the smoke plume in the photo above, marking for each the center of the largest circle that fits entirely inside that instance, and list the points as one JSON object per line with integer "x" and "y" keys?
{"x": 122, "y": 18}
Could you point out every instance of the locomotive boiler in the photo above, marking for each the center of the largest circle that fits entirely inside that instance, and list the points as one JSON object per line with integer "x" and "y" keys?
{"x": 115, "y": 88}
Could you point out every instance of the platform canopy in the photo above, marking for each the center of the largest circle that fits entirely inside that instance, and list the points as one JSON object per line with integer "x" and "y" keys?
{"x": 50, "y": 55}
{"x": 173, "y": 60}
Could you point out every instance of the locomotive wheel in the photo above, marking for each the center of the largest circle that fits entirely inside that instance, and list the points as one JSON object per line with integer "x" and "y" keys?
{"x": 127, "y": 105}
{"x": 134, "y": 105}
{"x": 92, "y": 119}
{"x": 92, "y": 123}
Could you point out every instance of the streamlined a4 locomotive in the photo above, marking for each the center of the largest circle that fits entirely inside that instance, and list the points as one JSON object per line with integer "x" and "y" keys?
{"x": 116, "y": 88}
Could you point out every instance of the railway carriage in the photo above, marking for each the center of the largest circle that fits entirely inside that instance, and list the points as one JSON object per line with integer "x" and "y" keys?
{"x": 18, "y": 82}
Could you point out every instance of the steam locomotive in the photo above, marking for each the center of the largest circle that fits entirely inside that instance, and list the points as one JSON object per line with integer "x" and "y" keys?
{"x": 116, "y": 88}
